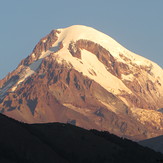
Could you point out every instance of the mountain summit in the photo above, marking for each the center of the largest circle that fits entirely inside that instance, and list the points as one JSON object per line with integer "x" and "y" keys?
{"x": 81, "y": 76}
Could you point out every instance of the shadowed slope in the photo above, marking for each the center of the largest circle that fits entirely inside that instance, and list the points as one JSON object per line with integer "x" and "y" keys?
{"x": 56, "y": 142}
{"x": 154, "y": 143}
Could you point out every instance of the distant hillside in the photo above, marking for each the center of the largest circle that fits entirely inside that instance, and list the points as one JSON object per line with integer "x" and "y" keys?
{"x": 65, "y": 143}
{"x": 154, "y": 143}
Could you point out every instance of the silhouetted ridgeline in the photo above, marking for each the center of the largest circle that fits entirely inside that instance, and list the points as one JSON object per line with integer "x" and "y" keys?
{"x": 64, "y": 143}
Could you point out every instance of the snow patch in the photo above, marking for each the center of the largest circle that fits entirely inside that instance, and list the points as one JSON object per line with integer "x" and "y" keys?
{"x": 91, "y": 62}
{"x": 44, "y": 40}
{"x": 129, "y": 77}
{"x": 28, "y": 71}
{"x": 53, "y": 49}
{"x": 5, "y": 89}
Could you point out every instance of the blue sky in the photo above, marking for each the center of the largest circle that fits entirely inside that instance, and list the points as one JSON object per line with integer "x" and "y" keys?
{"x": 136, "y": 24}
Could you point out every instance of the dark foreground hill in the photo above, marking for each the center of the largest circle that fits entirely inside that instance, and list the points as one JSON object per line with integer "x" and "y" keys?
{"x": 65, "y": 143}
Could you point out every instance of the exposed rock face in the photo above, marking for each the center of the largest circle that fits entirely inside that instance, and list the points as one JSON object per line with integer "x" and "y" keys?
{"x": 79, "y": 80}
{"x": 43, "y": 45}
{"x": 140, "y": 88}
{"x": 102, "y": 54}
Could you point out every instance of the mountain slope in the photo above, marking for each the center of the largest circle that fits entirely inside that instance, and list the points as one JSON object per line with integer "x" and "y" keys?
{"x": 154, "y": 143}
{"x": 80, "y": 75}
{"x": 56, "y": 142}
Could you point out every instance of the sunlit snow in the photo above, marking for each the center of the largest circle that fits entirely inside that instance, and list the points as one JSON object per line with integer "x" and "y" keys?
{"x": 90, "y": 65}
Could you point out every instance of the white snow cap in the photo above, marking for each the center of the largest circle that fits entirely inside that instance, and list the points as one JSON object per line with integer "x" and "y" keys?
{"x": 77, "y": 32}
{"x": 90, "y": 62}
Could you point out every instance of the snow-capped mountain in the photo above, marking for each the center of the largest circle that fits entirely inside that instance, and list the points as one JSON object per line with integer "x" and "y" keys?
{"x": 82, "y": 76}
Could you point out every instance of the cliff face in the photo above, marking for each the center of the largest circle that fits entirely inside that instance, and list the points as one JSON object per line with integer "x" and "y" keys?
{"x": 78, "y": 75}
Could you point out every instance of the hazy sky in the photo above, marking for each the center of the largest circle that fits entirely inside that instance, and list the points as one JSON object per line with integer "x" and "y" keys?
{"x": 136, "y": 24}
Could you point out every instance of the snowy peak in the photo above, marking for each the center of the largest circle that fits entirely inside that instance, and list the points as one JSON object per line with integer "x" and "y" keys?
{"x": 63, "y": 37}
{"x": 77, "y": 32}
{"x": 80, "y": 75}
{"x": 74, "y": 33}
{"x": 92, "y": 53}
